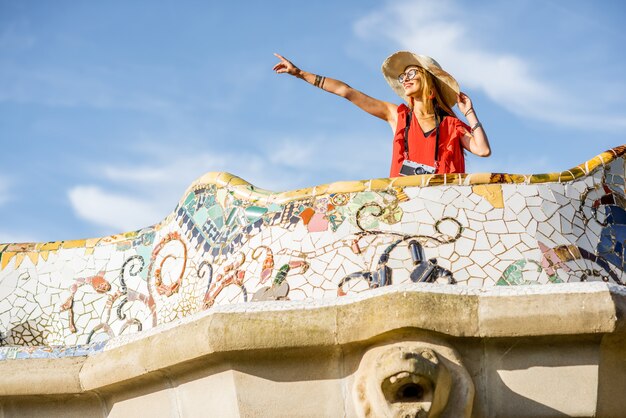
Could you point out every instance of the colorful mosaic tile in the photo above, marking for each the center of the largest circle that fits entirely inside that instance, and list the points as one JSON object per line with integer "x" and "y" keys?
{"x": 229, "y": 242}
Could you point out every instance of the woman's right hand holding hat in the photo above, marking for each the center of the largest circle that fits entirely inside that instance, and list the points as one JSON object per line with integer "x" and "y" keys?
{"x": 464, "y": 103}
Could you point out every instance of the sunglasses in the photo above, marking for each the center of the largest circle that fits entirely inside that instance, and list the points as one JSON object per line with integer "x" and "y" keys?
{"x": 409, "y": 75}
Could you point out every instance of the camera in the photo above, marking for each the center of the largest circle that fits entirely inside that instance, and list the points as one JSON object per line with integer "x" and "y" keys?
{"x": 411, "y": 168}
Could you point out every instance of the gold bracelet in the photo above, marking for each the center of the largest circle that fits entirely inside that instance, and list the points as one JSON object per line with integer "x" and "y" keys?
{"x": 470, "y": 110}
{"x": 318, "y": 78}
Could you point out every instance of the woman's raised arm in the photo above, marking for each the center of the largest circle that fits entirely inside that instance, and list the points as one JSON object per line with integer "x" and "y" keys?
{"x": 381, "y": 109}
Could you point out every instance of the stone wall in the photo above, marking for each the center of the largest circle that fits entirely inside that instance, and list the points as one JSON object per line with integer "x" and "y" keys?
{"x": 249, "y": 303}
{"x": 519, "y": 351}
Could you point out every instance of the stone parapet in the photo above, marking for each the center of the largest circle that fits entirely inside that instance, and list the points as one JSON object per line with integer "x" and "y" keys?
{"x": 546, "y": 332}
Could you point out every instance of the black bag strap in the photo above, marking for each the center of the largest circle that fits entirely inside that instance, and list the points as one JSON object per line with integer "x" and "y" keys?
{"x": 438, "y": 121}
{"x": 409, "y": 116}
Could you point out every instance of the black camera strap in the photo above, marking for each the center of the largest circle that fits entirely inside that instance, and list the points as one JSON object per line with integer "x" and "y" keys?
{"x": 409, "y": 116}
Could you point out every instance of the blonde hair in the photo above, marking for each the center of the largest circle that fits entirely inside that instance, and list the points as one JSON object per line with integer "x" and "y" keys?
{"x": 430, "y": 95}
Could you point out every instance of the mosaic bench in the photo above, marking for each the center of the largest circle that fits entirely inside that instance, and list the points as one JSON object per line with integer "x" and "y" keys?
{"x": 228, "y": 242}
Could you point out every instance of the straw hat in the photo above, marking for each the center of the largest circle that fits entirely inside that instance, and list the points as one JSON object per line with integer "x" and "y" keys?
{"x": 397, "y": 63}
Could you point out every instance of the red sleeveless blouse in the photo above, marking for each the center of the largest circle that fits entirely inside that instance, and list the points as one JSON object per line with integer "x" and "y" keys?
{"x": 422, "y": 149}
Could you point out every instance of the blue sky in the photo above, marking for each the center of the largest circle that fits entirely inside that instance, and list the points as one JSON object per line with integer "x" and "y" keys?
{"x": 109, "y": 110}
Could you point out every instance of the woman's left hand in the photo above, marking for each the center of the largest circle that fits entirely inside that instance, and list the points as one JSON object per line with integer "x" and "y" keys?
{"x": 464, "y": 102}
{"x": 475, "y": 141}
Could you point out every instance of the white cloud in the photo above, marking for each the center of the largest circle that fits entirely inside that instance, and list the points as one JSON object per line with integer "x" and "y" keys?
{"x": 438, "y": 28}
{"x": 154, "y": 191}
{"x": 134, "y": 174}
{"x": 293, "y": 153}
{"x": 128, "y": 198}
{"x": 117, "y": 211}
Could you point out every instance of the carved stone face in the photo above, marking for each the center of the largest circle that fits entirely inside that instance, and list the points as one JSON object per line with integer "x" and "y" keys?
{"x": 408, "y": 378}
{"x": 411, "y": 379}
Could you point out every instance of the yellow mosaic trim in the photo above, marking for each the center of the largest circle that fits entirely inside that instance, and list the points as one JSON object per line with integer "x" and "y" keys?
{"x": 244, "y": 190}
{"x": 33, "y": 251}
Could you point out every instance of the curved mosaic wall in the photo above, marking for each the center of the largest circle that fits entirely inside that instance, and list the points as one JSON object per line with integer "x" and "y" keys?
{"x": 229, "y": 242}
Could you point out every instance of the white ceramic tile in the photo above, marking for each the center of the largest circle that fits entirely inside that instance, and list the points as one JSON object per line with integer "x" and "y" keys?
{"x": 481, "y": 243}
{"x": 464, "y": 202}
{"x": 585, "y": 243}
{"x": 527, "y": 191}
{"x": 445, "y": 251}
{"x": 515, "y": 202}
{"x": 498, "y": 249}
{"x": 431, "y": 193}
{"x": 451, "y": 211}
{"x": 464, "y": 247}
{"x": 484, "y": 207}
{"x": 496, "y": 227}
{"x": 492, "y": 273}
{"x": 555, "y": 222}
{"x": 452, "y": 193}
{"x": 475, "y": 198}
{"x": 509, "y": 215}
{"x": 482, "y": 258}
{"x": 594, "y": 227}
{"x": 475, "y": 271}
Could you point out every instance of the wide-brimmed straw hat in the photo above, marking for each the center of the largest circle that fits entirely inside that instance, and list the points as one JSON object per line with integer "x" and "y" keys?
{"x": 397, "y": 62}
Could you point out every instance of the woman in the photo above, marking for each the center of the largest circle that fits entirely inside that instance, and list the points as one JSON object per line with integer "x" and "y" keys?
{"x": 428, "y": 137}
